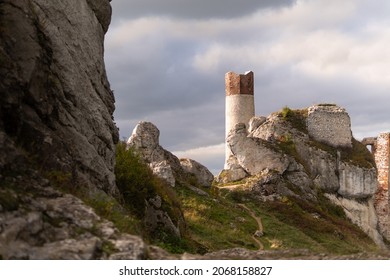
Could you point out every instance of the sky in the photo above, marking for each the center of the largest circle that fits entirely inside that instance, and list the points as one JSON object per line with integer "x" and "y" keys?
{"x": 166, "y": 62}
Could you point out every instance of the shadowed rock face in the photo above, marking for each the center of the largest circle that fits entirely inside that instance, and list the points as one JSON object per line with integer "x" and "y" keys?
{"x": 56, "y": 118}
{"x": 56, "y": 103}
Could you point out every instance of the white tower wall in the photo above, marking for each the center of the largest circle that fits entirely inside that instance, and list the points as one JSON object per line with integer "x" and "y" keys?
{"x": 240, "y": 105}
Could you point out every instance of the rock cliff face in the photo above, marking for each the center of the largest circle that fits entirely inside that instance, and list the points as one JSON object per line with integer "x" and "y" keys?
{"x": 292, "y": 146}
{"x": 56, "y": 131}
{"x": 56, "y": 103}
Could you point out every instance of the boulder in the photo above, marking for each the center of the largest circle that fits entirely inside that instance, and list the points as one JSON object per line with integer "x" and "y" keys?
{"x": 163, "y": 170}
{"x": 254, "y": 155}
{"x": 158, "y": 220}
{"x": 231, "y": 175}
{"x": 201, "y": 173}
{"x": 47, "y": 224}
{"x": 145, "y": 140}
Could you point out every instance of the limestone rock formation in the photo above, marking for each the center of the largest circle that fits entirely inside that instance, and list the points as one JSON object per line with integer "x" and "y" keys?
{"x": 39, "y": 222}
{"x": 361, "y": 213}
{"x": 57, "y": 132}
{"x": 145, "y": 140}
{"x": 201, "y": 173}
{"x": 255, "y": 122}
{"x": 299, "y": 151}
{"x": 163, "y": 170}
{"x": 56, "y": 103}
{"x": 357, "y": 182}
{"x": 155, "y": 216}
{"x": 253, "y": 155}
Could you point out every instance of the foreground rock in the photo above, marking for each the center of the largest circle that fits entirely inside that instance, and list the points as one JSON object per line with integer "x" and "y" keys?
{"x": 39, "y": 222}
{"x": 56, "y": 103}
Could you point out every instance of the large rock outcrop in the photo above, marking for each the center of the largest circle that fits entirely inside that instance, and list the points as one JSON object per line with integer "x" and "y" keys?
{"x": 57, "y": 132}
{"x": 302, "y": 153}
{"x": 39, "y": 222}
{"x": 56, "y": 103}
{"x": 145, "y": 140}
{"x": 252, "y": 154}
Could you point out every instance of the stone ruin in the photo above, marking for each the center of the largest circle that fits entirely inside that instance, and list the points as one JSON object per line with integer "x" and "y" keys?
{"x": 325, "y": 123}
{"x": 380, "y": 148}
{"x": 329, "y": 124}
{"x": 240, "y": 105}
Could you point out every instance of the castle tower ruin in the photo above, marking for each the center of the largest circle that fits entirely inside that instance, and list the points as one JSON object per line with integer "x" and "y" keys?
{"x": 380, "y": 147}
{"x": 381, "y": 151}
{"x": 240, "y": 105}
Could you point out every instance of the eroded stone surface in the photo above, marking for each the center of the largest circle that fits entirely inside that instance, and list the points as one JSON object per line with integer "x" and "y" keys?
{"x": 252, "y": 154}
{"x": 361, "y": 213}
{"x": 145, "y": 139}
{"x": 357, "y": 182}
{"x": 381, "y": 150}
{"x": 56, "y": 101}
{"x": 46, "y": 224}
{"x": 330, "y": 124}
{"x": 201, "y": 173}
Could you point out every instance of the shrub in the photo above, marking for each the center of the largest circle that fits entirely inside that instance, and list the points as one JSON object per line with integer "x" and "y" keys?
{"x": 133, "y": 179}
{"x": 137, "y": 183}
{"x": 286, "y": 112}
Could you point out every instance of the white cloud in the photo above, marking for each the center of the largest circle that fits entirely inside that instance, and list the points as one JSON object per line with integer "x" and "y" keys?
{"x": 170, "y": 70}
{"x": 213, "y": 156}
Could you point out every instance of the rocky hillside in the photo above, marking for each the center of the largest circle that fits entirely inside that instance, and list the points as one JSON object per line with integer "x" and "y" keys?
{"x": 301, "y": 152}
{"x": 272, "y": 213}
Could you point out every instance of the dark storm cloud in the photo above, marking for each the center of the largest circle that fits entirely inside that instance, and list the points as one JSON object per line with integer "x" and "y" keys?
{"x": 170, "y": 69}
{"x": 191, "y": 9}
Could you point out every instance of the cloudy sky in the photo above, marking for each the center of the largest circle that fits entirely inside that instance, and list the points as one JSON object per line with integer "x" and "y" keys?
{"x": 166, "y": 62}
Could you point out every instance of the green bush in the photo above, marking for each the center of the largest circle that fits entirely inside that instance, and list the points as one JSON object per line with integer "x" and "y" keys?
{"x": 134, "y": 179}
{"x": 137, "y": 183}
{"x": 286, "y": 112}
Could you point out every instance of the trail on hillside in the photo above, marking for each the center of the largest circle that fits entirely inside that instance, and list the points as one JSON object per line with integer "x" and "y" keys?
{"x": 259, "y": 225}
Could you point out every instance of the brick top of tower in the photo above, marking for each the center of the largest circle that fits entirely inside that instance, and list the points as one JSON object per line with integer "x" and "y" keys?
{"x": 239, "y": 83}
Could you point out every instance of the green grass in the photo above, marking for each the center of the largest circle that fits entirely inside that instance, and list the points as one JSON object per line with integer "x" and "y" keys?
{"x": 297, "y": 118}
{"x": 320, "y": 227}
{"x": 289, "y": 223}
{"x": 359, "y": 155}
{"x": 215, "y": 225}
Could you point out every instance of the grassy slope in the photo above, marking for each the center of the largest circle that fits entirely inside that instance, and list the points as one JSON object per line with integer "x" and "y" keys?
{"x": 217, "y": 223}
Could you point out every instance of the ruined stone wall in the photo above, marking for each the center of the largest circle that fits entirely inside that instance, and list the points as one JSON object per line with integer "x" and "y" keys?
{"x": 330, "y": 124}
{"x": 240, "y": 106}
{"x": 381, "y": 150}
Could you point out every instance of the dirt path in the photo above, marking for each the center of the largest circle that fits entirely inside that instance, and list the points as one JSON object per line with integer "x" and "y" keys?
{"x": 259, "y": 225}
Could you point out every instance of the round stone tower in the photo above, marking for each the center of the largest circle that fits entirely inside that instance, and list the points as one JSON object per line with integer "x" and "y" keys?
{"x": 240, "y": 105}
